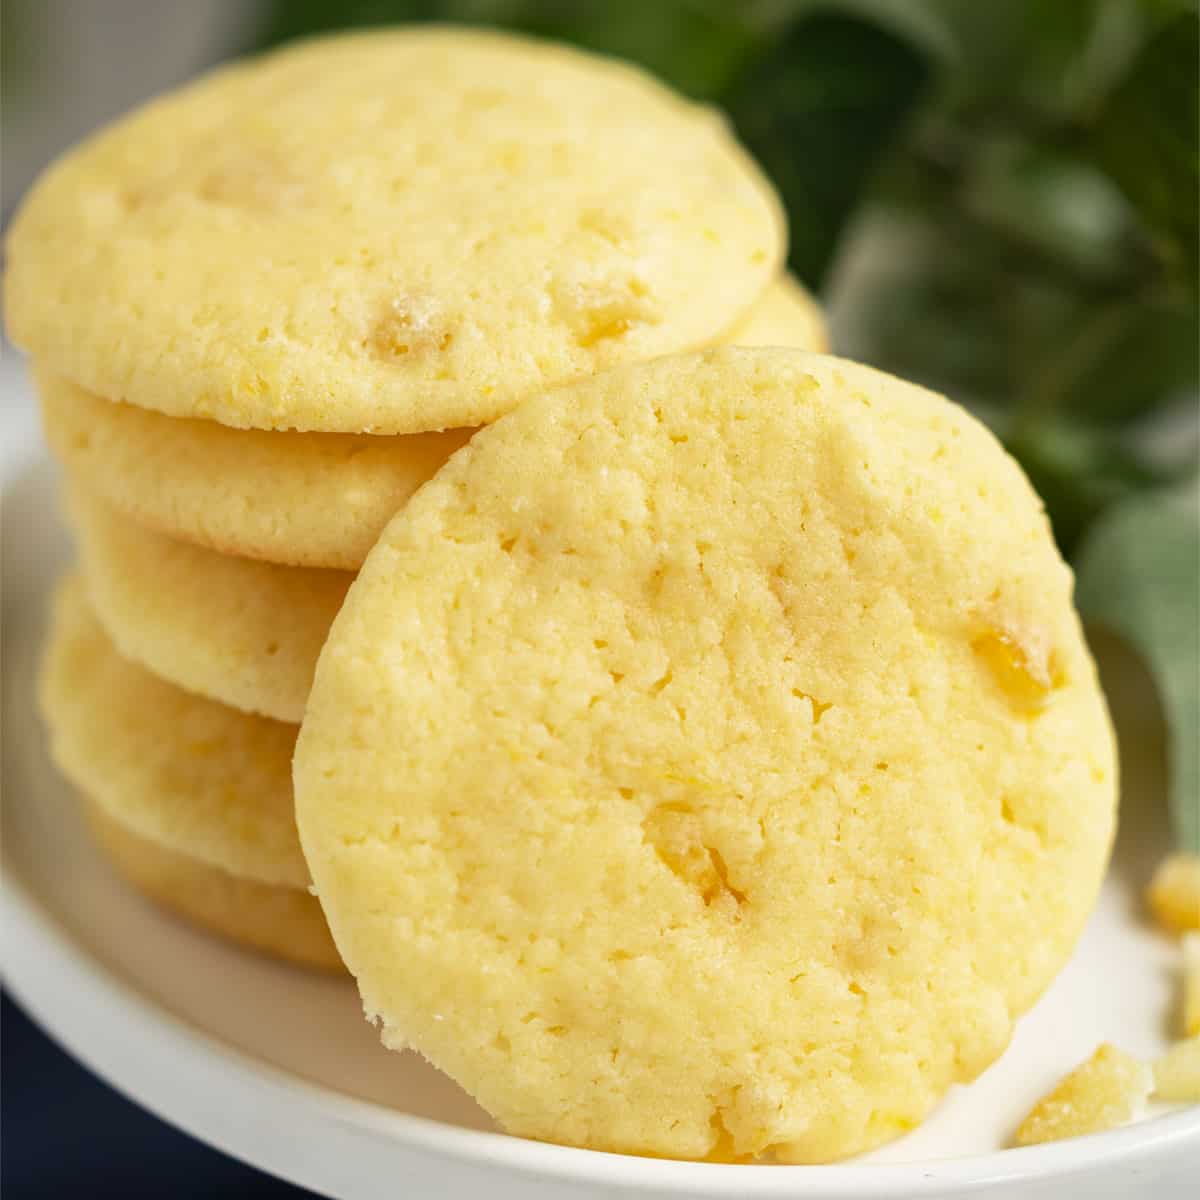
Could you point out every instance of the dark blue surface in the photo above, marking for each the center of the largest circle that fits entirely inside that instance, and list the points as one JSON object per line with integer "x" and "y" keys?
{"x": 67, "y": 1135}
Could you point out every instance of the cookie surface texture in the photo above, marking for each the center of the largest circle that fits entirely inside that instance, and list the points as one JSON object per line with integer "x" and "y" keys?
{"x": 709, "y": 762}
{"x": 390, "y": 232}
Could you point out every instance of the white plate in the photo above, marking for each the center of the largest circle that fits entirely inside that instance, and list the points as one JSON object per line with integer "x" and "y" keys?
{"x": 277, "y": 1067}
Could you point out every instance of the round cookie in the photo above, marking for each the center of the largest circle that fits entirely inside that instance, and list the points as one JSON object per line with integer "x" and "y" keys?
{"x": 389, "y": 232}
{"x": 708, "y": 762}
{"x": 306, "y": 499}
{"x": 240, "y": 632}
{"x": 185, "y": 773}
{"x": 284, "y": 922}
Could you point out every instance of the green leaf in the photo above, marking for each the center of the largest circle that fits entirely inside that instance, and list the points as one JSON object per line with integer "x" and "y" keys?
{"x": 819, "y": 108}
{"x": 288, "y": 19}
{"x": 695, "y": 45}
{"x": 1045, "y": 61}
{"x": 1081, "y": 472}
{"x": 1062, "y": 210}
{"x": 1127, "y": 360}
{"x": 23, "y": 53}
{"x": 1147, "y": 136}
{"x": 918, "y": 21}
{"x": 1020, "y": 49}
{"x": 925, "y": 293}
{"x": 1138, "y": 574}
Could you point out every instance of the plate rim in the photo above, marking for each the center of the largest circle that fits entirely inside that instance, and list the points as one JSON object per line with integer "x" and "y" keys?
{"x": 62, "y": 986}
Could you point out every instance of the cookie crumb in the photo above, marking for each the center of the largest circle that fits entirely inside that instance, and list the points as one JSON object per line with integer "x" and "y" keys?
{"x": 1174, "y": 893}
{"x": 1107, "y": 1090}
{"x": 1191, "y": 985}
{"x": 1177, "y": 1073}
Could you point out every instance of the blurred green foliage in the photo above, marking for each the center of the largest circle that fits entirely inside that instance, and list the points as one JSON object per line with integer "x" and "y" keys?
{"x": 1135, "y": 571}
{"x": 838, "y": 90}
{"x": 1016, "y": 182}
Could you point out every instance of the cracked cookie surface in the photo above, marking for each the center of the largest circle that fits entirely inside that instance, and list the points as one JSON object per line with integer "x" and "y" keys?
{"x": 708, "y": 761}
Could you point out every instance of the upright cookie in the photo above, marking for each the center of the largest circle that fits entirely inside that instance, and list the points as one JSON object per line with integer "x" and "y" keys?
{"x": 240, "y": 632}
{"x": 389, "y": 232}
{"x": 708, "y": 762}
{"x": 187, "y": 774}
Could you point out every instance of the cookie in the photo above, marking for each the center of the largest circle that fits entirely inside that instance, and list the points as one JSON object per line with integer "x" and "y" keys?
{"x": 243, "y": 633}
{"x": 1174, "y": 893}
{"x": 1110, "y": 1089}
{"x": 284, "y": 922}
{"x": 304, "y": 499}
{"x": 315, "y": 500}
{"x": 786, "y": 315}
{"x": 708, "y": 762}
{"x": 389, "y": 232}
{"x": 189, "y": 775}
{"x": 1177, "y": 1073}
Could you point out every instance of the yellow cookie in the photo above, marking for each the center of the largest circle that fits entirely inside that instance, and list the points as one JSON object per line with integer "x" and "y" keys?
{"x": 189, "y": 775}
{"x": 1174, "y": 893}
{"x": 307, "y": 499}
{"x": 241, "y": 632}
{"x": 708, "y": 762}
{"x": 785, "y": 316}
{"x": 389, "y": 232}
{"x": 285, "y": 922}
{"x": 1108, "y": 1090}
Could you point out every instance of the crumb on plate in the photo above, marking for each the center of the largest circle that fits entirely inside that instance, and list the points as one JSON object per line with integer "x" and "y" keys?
{"x": 1107, "y": 1090}
{"x": 1177, "y": 1073}
{"x": 1191, "y": 985}
{"x": 1174, "y": 893}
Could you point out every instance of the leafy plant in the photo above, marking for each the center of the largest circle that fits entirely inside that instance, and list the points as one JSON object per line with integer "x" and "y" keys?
{"x": 1136, "y": 574}
{"x": 998, "y": 198}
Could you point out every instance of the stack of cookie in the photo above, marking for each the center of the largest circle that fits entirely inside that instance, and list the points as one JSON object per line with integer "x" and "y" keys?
{"x": 702, "y": 760}
{"x": 262, "y": 312}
